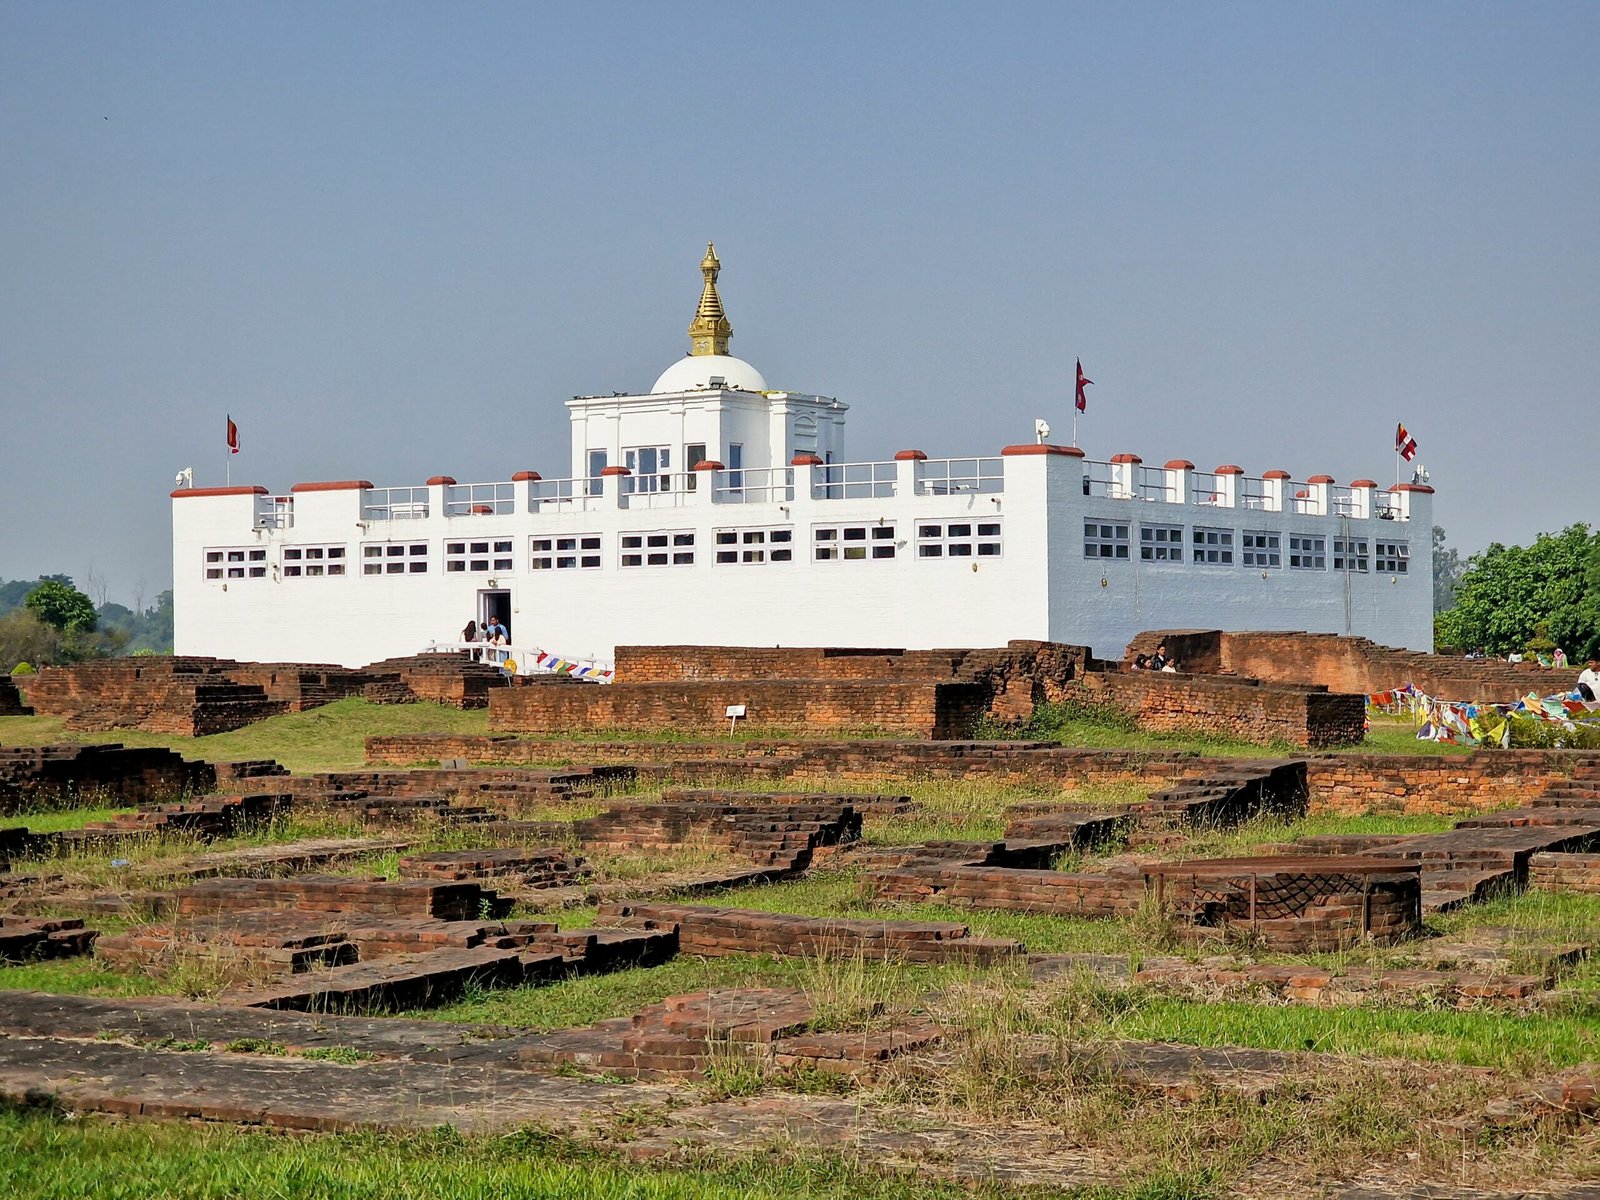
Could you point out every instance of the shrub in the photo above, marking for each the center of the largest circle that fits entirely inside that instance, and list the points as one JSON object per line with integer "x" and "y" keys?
{"x": 23, "y": 668}
{"x": 1531, "y": 733}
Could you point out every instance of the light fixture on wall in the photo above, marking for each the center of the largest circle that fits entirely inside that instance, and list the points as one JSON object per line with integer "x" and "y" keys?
{"x": 1104, "y": 582}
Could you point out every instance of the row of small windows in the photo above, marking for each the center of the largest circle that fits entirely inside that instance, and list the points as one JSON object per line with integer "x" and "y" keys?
{"x": 1255, "y": 548}
{"x": 660, "y": 548}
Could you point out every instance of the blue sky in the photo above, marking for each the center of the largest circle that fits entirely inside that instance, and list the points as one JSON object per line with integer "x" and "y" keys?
{"x": 390, "y": 239}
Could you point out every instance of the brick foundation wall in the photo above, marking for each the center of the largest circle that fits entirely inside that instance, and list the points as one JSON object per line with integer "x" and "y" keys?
{"x": 1411, "y": 784}
{"x": 1240, "y": 709}
{"x": 1019, "y": 674}
{"x": 11, "y": 704}
{"x": 927, "y": 710}
{"x": 1349, "y": 664}
{"x": 32, "y": 775}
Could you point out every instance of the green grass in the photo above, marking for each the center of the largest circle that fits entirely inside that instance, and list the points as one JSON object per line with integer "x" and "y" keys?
{"x": 77, "y": 977}
{"x": 1480, "y": 1039}
{"x": 94, "y": 1160}
{"x": 329, "y": 738}
{"x": 65, "y": 818}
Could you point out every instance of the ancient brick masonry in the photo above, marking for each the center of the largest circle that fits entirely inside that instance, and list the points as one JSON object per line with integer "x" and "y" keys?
{"x": 1565, "y": 873}
{"x": 533, "y": 868}
{"x": 11, "y": 704}
{"x": 1301, "y": 715}
{"x": 1490, "y": 852}
{"x": 31, "y": 775}
{"x": 713, "y": 932}
{"x": 1017, "y": 675}
{"x": 190, "y": 697}
{"x": 1346, "y": 664}
{"x": 195, "y": 696}
{"x": 780, "y": 835}
{"x": 923, "y": 709}
{"x": 23, "y": 939}
{"x": 1293, "y": 904}
{"x": 683, "y": 1035}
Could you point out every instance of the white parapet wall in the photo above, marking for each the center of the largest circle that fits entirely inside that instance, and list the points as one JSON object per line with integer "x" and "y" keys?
{"x": 1033, "y": 543}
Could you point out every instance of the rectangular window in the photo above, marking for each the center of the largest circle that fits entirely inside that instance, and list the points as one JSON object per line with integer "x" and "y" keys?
{"x": 479, "y": 557}
{"x": 597, "y": 463}
{"x": 958, "y": 539}
{"x": 394, "y": 558}
{"x": 1105, "y": 539}
{"x": 1308, "y": 553}
{"x": 235, "y": 562}
{"x": 1213, "y": 547}
{"x": 1350, "y": 554}
{"x": 577, "y": 552}
{"x": 664, "y": 548}
{"x": 1394, "y": 558}
{"x": 853, "y": 543}
{"x": 694, "y": 452}
{"x": 754, "y": 545}
{"x": 735, "y": 465}
{"x": 651, "y": 467}
{"x": 311, "y": 562}
{"x": 1161, "y": 543}
{"x": 1262, "y": 549}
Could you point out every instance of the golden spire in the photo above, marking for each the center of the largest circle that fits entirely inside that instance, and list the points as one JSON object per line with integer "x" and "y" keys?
{"x": 709, "y": 331}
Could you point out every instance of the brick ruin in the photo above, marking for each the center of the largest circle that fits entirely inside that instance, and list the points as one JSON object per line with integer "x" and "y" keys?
{"x": 1346, "y": 664}
{"x": 1247, "y": 710}
{"x": 11, "y": 704}
{"x": 194, "y": 696}
{"x": 934, "y": 694}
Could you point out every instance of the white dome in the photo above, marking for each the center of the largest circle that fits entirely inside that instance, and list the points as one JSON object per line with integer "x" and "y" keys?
{"x": 694, "y": 371}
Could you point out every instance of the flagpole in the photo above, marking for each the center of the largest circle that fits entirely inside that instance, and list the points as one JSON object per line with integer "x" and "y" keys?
{"x": 1074, "y": 426}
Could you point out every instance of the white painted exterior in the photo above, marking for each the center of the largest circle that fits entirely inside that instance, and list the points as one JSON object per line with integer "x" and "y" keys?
{"x": 1033, "y": 580}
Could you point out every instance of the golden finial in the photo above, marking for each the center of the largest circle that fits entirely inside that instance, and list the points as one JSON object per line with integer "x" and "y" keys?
{"x": 710, "y": 330}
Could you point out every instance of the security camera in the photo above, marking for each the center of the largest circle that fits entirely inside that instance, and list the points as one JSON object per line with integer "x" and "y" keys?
{"x": 1041, "y": 429}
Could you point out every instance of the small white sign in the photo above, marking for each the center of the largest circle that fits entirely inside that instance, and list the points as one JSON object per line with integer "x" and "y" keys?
{"x": 734, "y": 710}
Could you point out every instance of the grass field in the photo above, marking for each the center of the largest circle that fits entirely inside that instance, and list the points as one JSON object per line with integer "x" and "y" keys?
{"x": 333, "y": 737}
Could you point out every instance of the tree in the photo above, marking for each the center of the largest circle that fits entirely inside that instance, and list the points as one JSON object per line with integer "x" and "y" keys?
{"x": 62, "y": 607}
{"x": 1509, "y": 596}
{"x": 25, "y": 638}
{"x": 1447, "y": 570}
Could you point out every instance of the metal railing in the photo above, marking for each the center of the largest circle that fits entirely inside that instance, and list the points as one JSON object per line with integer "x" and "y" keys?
{"x": 394, "y": 503}
{"x": 516, "y": 659}
{"x": 954, "y": 476}
{"x": 563, "y": 495}
{"x": 274, "y": 512}
{"x": 480, "y": 499}
{"x": 1252, "y": 493}
{"x": 1205, "y": 488}
{"x": 855, "y": 481}
{"x": 754, "y": 485}
{"x": 654, "y": 498}
{"x": 1154, "y": 483}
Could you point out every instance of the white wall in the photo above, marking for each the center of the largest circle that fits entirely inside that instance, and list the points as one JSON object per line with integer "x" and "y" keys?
{"x": 1040, "y": 586}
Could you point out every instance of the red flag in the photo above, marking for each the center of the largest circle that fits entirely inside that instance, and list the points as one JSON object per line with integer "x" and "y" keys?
{"x": 1404, "y": 444}
{"x": 233, "y": 437}
{"x": 1083, "y": 382}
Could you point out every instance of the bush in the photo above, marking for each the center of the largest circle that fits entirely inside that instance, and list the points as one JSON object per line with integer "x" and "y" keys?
{"x": 1530, "y": 733}
{"x": 23, "y": 668}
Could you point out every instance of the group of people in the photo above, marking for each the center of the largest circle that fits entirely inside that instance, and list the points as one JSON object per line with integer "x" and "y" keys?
{"x": 492, "y": 633}
{"x": 1159, "y": 661}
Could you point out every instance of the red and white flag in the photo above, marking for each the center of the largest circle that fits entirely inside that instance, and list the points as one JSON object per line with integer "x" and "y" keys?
{"x": 233, "y": 437}
{"x": 1083, "y": 382}
{"x": 1404, "y": 444}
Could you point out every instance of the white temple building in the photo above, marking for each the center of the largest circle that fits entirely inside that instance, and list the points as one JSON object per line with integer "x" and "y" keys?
{"x": 714, "y": 509}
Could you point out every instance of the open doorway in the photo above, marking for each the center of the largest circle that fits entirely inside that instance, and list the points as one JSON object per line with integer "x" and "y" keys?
{"x": 496, "y": 606}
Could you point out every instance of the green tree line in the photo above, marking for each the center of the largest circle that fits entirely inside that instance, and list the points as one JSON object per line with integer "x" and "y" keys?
{"x": 49, "y": 620}
{"x": 1529, "y": 599}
